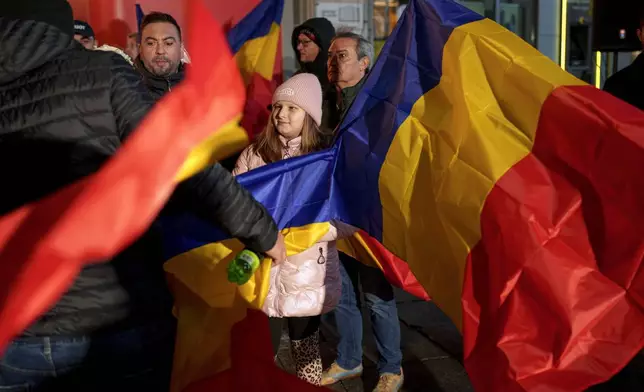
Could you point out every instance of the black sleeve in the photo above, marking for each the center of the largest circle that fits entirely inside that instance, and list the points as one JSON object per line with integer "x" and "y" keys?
{"x": 608, "y": 86}
{"x": 215, "y": 195}
{"x": 617, "y": 86}
{"x": 129, "y": 97}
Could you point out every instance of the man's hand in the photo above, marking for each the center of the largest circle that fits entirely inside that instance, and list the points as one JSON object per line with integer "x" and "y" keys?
{"x": 278, "y": 252}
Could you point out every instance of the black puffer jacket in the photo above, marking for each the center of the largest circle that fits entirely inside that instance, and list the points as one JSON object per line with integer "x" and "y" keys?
{"x": 63, "y": 112}
{"x": 157, "y": 85}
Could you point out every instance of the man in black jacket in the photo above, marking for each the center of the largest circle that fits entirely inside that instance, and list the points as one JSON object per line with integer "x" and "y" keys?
{"x": 628, "y": 84}
{"x": 311, "y": 42}
{"x": 64, "y": 111}
{"x": 160, "y": 53}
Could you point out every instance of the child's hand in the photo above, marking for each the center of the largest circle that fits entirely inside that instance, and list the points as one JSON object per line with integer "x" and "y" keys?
{"x": 278, "y": 252}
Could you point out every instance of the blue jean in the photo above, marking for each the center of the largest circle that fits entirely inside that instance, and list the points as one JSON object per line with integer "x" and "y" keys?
{"x": 379, "y": 298}
{"x": 138, "y": 359}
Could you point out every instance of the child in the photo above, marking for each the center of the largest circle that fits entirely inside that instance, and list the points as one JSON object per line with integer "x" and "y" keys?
{"x": 308, "y": 284}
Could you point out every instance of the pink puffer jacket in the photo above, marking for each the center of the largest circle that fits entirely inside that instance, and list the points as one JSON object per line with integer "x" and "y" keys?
{"x": 308, "y": 283}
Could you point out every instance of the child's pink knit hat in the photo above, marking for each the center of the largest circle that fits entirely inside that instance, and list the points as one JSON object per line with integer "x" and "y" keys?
{"x": 305, "y": 91}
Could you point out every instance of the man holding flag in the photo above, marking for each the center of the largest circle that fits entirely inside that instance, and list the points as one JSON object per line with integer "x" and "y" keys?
{"x": 69, "y": 111}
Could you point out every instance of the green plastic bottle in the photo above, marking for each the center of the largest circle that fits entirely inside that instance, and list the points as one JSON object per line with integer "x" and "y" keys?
{"x": 243, "y": 266}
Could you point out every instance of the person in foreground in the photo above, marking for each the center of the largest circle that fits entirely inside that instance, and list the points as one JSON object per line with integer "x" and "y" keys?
{"x": 307, "y": 284}
{"x": 66, "y": 111}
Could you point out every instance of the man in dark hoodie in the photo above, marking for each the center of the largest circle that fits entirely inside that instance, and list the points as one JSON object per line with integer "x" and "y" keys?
{"x": 311, "y": 42}
{"x": 64, "y": 111}
{"x": 628, "y": 84}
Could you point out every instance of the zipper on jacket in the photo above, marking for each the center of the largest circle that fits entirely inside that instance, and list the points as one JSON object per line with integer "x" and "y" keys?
{"x": 169, "y": 85}
{"x": 321, "y": 259}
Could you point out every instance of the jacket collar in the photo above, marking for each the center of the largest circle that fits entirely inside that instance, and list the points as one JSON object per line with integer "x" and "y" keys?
{"x": 159, "y": 83}
{"x": 348, "y": 94}
{"x": 291, "y": 147}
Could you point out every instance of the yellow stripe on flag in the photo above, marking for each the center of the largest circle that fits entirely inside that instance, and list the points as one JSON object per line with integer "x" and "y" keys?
{"x": 207, "y": 305}
{"x": 356, "y": 247}
{"x": 222, "y": 143}
{"x": 203, "y": 269}
{"x": 456, "y": 144}
{"x": 258, "y": 55}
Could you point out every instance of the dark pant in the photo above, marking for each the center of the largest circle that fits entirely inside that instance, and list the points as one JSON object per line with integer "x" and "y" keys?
{"x": 298, "y": 328}
{"x": 138, "y": 359}
{"x": 379, "y": 298}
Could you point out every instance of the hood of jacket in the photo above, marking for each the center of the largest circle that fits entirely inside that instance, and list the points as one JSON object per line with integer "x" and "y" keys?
{"x": 26, "y": 45}
{"x": 324, "y": 31}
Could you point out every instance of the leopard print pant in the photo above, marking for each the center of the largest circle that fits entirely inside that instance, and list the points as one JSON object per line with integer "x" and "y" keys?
{"x": 308, "y": 362}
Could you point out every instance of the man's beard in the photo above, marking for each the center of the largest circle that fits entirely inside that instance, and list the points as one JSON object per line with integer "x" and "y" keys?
{"x": 164, "y": 70}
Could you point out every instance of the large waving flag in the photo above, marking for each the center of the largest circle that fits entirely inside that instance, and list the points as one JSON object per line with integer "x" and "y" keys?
{"x": 256, "y": 41}
{"x": 511, "y": 189}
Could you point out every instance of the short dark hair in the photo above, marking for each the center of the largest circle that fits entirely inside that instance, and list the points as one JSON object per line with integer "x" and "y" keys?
{"x": 160, "y": 17}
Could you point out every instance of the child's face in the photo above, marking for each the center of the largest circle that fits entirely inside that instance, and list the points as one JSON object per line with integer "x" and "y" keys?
{"x": 288, "y": 119}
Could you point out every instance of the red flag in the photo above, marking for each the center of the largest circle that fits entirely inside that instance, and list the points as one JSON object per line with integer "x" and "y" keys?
{"x": 252, "y": 367}
{"x": 44, "y": 244}
{"x": 553, "y": 293}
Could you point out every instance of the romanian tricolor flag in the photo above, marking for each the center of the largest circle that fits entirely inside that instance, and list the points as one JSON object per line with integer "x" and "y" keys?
{"x": 510, "y": 188}
{"x": 256, "y": 41}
